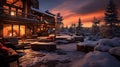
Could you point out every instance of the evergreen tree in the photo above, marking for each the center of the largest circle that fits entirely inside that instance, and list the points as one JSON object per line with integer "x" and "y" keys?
{"x": 95, "y": 26}
{"x": 79, "y": 29}
{"x": 72, "y": 28}
{"x": 111, "y": 14}
{"x": 111, "y": 21}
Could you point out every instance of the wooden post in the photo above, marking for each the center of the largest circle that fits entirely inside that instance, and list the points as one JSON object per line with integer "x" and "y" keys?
{"x": 12, "y": 30}
{"x": 19, "y": 30}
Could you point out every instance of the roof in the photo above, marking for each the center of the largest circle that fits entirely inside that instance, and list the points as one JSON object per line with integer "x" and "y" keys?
{"x": 40, "y": 11}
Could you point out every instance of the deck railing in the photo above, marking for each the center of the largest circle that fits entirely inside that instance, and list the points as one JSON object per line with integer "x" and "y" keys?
{"x": 8, "y": 12}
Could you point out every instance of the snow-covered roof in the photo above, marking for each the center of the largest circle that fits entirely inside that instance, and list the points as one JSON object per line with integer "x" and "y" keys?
{"x": 40, "y": 11}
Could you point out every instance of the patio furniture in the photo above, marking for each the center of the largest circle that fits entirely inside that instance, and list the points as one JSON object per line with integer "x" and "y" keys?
{"x": 45, "y": 39}
{"x": 86, "y": 46}
{"x": 12, "y": 42}
{"x": 49, "y": 46}
{"x": 65, "y": 39}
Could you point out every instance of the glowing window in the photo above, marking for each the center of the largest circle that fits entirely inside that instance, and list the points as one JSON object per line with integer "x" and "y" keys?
{"x": 19, "y": 12}
{"x": 7, "y": 30}
{"x": 22, "y": 30}
{"x": 15, "y": 2}
{"x": 6, "y": 9}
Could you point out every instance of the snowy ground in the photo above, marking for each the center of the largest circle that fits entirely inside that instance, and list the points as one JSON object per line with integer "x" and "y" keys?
{"x": 67, "y": 56}
{"x": 64, "y": 56}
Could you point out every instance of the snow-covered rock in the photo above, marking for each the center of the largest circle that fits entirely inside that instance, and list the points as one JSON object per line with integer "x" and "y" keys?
{"x": 86, "y": 46}
{"x": 88, "y": 43}
{"x": 61, "y": 41}
{"x": 97, "y": 59}
{"x": 115, "y": 51}
{"x": 107, "y": 44}
{"x": 67, "y": 37}
{"x": 116, "y": 42}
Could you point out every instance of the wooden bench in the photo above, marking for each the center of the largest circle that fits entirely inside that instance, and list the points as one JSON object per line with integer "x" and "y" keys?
{"x": 49, "y": 46}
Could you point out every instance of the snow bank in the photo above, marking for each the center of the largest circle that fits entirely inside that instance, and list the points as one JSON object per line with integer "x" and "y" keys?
{"x": 116, "y": 42}
{"x": 115, "y": 51}
{"x": 67, "y": 37}
{"x": 97, "y": 59}
{"x": 61, "y": 41}
{"x": 107, "y": 44}
{"x": 88, "y": 43}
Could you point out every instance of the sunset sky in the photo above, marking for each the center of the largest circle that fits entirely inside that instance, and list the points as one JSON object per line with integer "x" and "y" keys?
{"x": 72, "y": 10}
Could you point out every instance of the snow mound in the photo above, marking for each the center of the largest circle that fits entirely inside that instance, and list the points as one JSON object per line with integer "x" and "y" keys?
{"x": 88, "y": 43}
{"x": 97, "y": 59}
{"x": 61, "y": 41}
{"x": 115, "y": 51}
{"x": 116, "y": 42}
{"x": 107, "y": 44}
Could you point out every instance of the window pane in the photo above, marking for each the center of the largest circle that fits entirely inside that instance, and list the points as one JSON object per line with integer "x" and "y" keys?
{"x": 7, "y": 30}
{"x": 22, "y": 30}
{"x": 6, "y": 9}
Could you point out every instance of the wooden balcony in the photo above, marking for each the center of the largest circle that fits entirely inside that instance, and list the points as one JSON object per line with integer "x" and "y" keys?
{"x": 8, "y": 15}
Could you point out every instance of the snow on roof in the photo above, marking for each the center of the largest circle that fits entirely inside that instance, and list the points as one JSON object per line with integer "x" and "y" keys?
{"x": 40, "y": 11}
{"x": 97, "y": 59}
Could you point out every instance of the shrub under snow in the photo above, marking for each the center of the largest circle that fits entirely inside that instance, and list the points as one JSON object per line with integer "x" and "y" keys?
{"x": 106, "y": 44}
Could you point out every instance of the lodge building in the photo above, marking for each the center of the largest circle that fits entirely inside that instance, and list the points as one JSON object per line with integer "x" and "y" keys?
{"x": 23, "y": 18}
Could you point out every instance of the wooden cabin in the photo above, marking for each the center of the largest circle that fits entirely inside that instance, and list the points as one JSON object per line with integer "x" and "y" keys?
{"x": 20, "y": 18}
{"x": 47, "y": 22}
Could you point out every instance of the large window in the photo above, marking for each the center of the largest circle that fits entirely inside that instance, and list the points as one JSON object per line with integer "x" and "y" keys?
{"x": 13, "y": 30}
{"x": 7, "y": 30}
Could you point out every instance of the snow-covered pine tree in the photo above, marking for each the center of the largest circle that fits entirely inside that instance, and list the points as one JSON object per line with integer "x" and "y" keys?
{"x": 111, "y": 21}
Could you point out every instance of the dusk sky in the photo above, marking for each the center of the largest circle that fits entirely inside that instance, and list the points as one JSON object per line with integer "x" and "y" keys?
{"x": 72, "y": 10}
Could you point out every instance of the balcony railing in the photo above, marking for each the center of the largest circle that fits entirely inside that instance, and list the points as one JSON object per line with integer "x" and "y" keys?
{"x": 7, "y": 12}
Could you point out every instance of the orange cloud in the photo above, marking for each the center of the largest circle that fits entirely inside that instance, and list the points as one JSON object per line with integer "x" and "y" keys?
{"x": 86, "y": 19}
{"x": 70, "y": 16}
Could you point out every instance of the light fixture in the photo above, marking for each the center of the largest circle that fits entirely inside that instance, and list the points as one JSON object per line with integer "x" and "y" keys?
{"x": 12, "y": 13}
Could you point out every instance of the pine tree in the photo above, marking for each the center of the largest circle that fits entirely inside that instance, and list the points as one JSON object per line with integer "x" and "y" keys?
{"x": 111, "y": 21}
{"x": 72, "y": 28}
{"x": 79, "y": 29}
{"x": 95, "y": 26}
{"x": 111, "y": 14}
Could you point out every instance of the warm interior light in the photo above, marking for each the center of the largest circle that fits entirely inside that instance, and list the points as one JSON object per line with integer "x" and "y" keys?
{"x": 7, "y": 30}
{"x": 12, "y": 13}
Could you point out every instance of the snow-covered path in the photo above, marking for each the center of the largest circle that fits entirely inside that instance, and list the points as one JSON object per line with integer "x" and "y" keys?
{"x": 64, "y": 56}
